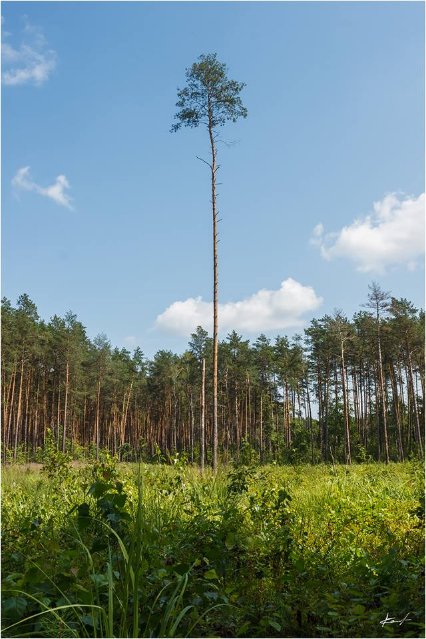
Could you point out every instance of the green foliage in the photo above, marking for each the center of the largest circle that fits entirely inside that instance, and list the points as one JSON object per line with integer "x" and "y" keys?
{"x": 209, "y": 96}
{"x": 56, "y": 464}
{"x": 165, "y": 551}
{"x": 268, "y": 390}
{"x": 105, "y": 467}
{"x": 248, "y": 455}
{"x": 239, "y": 479}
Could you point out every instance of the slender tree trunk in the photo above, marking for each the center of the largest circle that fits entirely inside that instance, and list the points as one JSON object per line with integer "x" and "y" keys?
{"x": 8, "y": 421}
{"x": 191, "y": 419}
{"x": 215, "y": 290}
{"x": 383, "y": 393}
{"x": 416, "y": 410}
{"x": 67, "y": 384}
{"x": 27, "y": 414}
{"x": 202, "y": 414}
{"x": 97, "y": 433}
{"x": 320, "y": 413}
{"x": 247, "y": 396}
{"x": 19, "y": 411}
{"x": 287, "y": 416}
{"x": 396, "y": 405}
{"x": 58, "y": 416}
{"x": 36, "y": 419}
{"x": 345, "y": 409}
{"x": 356, "y": 400}
{"x": 365, "y": 384}
{"x": 261, "y": 427}
{"x": 379, "y": 433}
{"x": 326, "y": 402}
{"x": 309, "y": 416}
{"x": 126, "y": 402}
{"x": 237, "y": 432}
{"x": 249, "y": 408}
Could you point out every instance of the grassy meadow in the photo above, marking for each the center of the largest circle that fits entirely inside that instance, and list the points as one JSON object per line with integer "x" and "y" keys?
{"x": 123, "y": 550}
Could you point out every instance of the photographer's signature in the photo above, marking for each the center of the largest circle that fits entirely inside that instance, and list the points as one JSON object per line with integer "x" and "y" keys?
{"x": 393, "y": 620}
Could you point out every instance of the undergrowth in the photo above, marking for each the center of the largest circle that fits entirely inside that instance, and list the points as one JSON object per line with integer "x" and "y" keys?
{"x": 120, "y": 550}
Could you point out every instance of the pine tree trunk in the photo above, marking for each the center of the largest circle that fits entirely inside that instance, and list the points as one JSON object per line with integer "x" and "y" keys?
{"x": 309, "y": 416}
{"x": 345, "y": 409}
{"x": 126, "y": 402}
{"x": 58, "y": 416}
{"x": 19, "y": 411}
{"x": 203, "y": 415}
{"x": 36, "y": 420}
{"x": 326, "y": 402}
{"x": 416, "y": 410}
{"x": 97, "y": 434}
{"x": 383, "y": 394}
{"x": 27, "y": 414}
{"x": 191, "y": 420}
{"x": 237, "y": 433}
{"x": 8, "y": 419}
{"x": 215, "y": 292}
{"x": 261, "y": 427}
{"x": 396, "y": 404}
{"x": 67, "y": 385}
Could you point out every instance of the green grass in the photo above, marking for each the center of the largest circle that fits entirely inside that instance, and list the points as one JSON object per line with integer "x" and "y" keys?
{"x": 132, "y": 551}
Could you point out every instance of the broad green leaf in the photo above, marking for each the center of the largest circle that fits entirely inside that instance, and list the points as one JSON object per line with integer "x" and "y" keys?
{"x": 14, "y": 607}
{"x": 211, "y": 574}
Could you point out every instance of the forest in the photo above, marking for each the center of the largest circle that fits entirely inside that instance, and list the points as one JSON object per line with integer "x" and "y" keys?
{"x": 347, "y": 390}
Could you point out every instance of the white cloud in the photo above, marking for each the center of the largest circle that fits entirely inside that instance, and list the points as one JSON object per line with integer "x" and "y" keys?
{"x": 393, "y": 234}
{"x": 30, "y": 62}
{"x": 56, "y": 191}
{"x": 265, "y": 310}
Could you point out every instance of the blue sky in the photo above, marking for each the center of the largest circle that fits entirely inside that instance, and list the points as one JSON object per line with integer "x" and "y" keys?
{"x": 107, "y": 213}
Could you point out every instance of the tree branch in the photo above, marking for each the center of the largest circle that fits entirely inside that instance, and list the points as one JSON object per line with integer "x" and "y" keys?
{"x": 205, "y": 162}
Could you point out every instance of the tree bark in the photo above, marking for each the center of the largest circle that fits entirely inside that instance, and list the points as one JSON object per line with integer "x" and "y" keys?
{"x": 97, "y": 433}
{"x": 416, "y": 410}
{"x": 67, "y": 384}
{"x": 202, "y": 415}
{"x": 383, "y": 396}
{"x": 19, "y": 411}
{"x": 215, "y": 289}
{"x": 345, "y": 408}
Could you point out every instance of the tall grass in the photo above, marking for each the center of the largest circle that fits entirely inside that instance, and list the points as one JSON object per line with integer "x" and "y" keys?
{"x": 250, "y": 551}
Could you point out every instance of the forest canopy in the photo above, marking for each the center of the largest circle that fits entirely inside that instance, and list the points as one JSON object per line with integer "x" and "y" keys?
{"x": 347, "y": 390}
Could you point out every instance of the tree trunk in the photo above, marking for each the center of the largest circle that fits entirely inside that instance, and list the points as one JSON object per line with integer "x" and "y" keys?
{"x": 202, "y": 415}
{"x": 215, "y": 290}
{"x": 261, "y": 427}
{"x": 126, "y": 402}
{"x": 97, "y": 434}
{"x": 8, "y": 420}
{"x": 191, "y": 434}
{"x": 383, "y": 393}
{"x": 67, "y": 384}
{"x": 27, "y": 414}
{"x": 396, "y": 406}
{"x": 309, "y": 416}
{"x": 345, "y": 408}
{"x": 19, "y": 411}
{"x": 416, "y": 410}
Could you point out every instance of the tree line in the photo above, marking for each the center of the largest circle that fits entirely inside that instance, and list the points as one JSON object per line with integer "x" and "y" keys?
{"x": 345, "y": 391}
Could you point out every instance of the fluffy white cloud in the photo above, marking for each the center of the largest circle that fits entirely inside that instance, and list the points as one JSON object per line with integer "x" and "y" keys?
{"x": 56, "y": 191}
{"x": 30, "y": 62}
{"x": 393, "y": 234}
{"x": 265, "y": 310}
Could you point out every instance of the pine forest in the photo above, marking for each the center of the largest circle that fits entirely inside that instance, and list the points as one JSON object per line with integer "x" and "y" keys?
{"x": 346, "y": 390}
